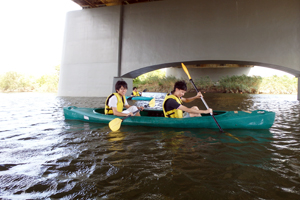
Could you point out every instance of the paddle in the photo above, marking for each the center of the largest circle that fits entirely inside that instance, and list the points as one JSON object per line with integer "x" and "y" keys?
{"x": 188, "y": 74}
{"x": 115, "y": 124}
{"x": 191, "y": 80}
{"x": 129, "y": 98}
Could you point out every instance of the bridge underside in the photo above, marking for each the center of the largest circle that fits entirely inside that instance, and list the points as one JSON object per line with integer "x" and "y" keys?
{"x": 126, "y": 41}
{"x": 216, "y": 64}
{"x": 103, "y": 3}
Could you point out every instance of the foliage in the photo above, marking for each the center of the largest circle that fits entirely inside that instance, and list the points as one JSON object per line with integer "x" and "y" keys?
{"x": 279, "y": 85}
{"x": 156, "y": 84}
{"x": 202, "y": 83}
{"x": 156, "y": 81}
{"x": 142, "y": 79}
{"x": 240, "y": 84}
{"x": 15, "y": 82}
{"x": 232, "y": 84}
{"x": 153, "y": 81}
{"x": 49, "y": 83}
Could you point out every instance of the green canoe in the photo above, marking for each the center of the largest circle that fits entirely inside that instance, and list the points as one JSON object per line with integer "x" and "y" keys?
{"x": 139, "y": 98}
{"x": 258, "y": 119}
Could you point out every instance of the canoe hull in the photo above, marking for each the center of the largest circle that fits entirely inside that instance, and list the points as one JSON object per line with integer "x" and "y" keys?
{"x": 259, "y": 119}
{"x": 140, "y": 98}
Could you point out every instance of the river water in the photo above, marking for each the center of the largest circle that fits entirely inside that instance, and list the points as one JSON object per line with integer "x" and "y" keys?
{"x": 42, "y": 156}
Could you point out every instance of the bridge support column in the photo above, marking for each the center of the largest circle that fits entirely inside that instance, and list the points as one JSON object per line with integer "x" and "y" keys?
{"x": 128, "y": 81}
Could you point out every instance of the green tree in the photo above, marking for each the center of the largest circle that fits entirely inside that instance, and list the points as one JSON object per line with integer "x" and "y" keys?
{"x": 13, "y": 81}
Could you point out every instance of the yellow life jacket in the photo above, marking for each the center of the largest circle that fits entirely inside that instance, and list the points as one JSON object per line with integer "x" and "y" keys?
{"x": 121, "y": 101}
{"x": 136, "y": 93}
{"x": 175, "y": 113}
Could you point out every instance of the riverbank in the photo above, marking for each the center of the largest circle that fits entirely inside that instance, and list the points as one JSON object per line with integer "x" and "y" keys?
{"x": 158, "y": 82}
{"x": 234, "y": 84}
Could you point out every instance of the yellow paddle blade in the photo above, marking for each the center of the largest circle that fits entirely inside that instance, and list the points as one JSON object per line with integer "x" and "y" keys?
{"x": 185, "y": 70}
{"x": 229, "y": 134}
{"x": 152, "y": 102}
{"x": 115, "y": 124}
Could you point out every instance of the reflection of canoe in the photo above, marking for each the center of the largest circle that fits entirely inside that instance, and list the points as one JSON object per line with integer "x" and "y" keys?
{"x": 140, "y": 98}
{"x": 258, "y": 119}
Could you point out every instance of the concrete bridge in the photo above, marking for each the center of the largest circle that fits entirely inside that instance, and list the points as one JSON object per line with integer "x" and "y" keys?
{"x": 104, "y": 44}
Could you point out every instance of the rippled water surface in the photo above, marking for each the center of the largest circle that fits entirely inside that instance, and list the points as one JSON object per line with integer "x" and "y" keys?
{"x": 44, "y": 156}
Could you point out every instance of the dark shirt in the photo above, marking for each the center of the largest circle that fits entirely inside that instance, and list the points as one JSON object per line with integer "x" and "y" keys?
{"x": 171, "y": 104}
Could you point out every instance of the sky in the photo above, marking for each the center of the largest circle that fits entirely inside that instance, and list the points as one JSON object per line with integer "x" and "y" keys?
{"x": 31, "y": 36}
{"x": 267, "y": 72}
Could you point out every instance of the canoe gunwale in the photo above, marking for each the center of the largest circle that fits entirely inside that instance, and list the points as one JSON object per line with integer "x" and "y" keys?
{"x": 258, "y": 119}
{"x": 139, "y": 98}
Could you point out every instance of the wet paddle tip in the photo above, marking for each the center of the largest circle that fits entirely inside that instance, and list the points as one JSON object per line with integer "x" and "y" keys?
{"x": 229, "y": 134}
{"x": 115, "y": 124}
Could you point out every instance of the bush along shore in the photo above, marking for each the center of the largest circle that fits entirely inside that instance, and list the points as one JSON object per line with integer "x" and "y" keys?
{"x": 16, "y": 82}
{"x": 233, "y": 84}
{"x": 156, "y": 81}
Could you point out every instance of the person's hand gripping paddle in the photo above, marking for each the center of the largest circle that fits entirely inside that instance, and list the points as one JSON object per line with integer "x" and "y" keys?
{"x": 191, "y": 80}
{"x": 115, "y": 124}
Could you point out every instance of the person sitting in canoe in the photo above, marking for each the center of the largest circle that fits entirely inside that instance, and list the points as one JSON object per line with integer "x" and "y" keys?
{"x": 116, "y": 101}
{"x": 173, "y": 104}
{"x": 135, "y": 93}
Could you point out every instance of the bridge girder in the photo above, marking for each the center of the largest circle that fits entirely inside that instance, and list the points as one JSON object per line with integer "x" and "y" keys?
{"x": 103, "y": 3}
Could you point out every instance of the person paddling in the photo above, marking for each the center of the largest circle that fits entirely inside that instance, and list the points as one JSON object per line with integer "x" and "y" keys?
{"x": 135, "y": 93}
{"x": 173, "y": 104}
{"x": 116, "y": 101}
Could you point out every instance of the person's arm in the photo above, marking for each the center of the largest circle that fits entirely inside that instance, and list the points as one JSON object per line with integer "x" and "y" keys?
{"x": 190, "y": 110}
{"x": 120, "y": 114}
{"x": 187, "y": 100}
{"x": 128, "y": 106}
